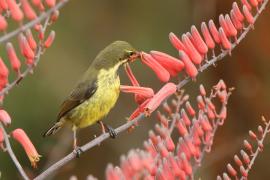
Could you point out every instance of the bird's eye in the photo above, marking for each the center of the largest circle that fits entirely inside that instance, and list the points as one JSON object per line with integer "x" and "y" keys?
{"x": 129, "y": 53}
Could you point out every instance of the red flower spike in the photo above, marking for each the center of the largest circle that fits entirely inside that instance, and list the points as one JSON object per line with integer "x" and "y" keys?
{"x": 230, "y": 26}
{"x": 161, "y": 72}
{"x": 190, "y": 109}
{"x": 198, "y": 40}
{"x": 243, "y": 171}
{"x": 214, "y": 31}
{"x": 192, "y": 51}
{"x": 254, "y": 3}
{"x": 182, "y": 130}
{"x": 237, "y": 24}
{"x": 2, "y": 139}
{"x": 207, "y": 36}
{"x": 167, "y": 90}
{"x": 55, "y": 16}
{"x": 176, "y": 42}
{"x": 49, "y": 40}
{"x": 20, "y": 136}
{"x": 248, "y": 146}
{"x": 252, "y": 135}
{"x": 224, "y": 40}
{"x": 224, "y": 25}
{"x": 28, "y": 10}
{"x": 16, "y": 12}
{"x": 245, "y": 3}
{"x": 250, "y": 19}
{"x": 3, "y": 23}
{"x": 146, "y": 92}
{"x": 3, "y": 4}
{"x": 185, "y": 118}
{"x": 231, "y": 170}
{"x": 171, "y": 64}
{"x": 13, "y": 58}
{"x": 245, "y": 157}
{"x": 4, "y": 117}
{"x": 50, "y": 3}
{"x": 190, "y": 68}
{"x": 237, "y": 12}
{"x": 30, "y": 39}
{"x": 237, "y": 160}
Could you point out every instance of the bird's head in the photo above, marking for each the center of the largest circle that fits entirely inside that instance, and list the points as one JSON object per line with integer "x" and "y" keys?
{"x": 115, "y": 54}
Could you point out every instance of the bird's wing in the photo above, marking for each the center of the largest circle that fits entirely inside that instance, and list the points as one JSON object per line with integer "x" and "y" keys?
{"x": 82, "y": 92}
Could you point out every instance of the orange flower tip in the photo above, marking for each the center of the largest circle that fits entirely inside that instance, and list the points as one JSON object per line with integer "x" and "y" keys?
{"x": 190, "y": 68}
{"x": 50, "y": 3}
{"x": 4, "y": 117}
{"x": 49, "y": 40}
{"x": 3, "y": 23}
{"x": 176, "y": 42}
{"x": 28, "y": 10}
{"x": 146, "y": 92}
{"x": 224, "y": 40}
{"x": 171, "y": 64}
{"x": 159, "y": 70}
{"x": 16, "y": 12}
{"x": 198, "y": 40}
{"x": 20, "y": 136}
{"x": 214, "y": 31}
{"x": 191, "y": 50}
{"x": 250, "y": 19}
{"x": 55, "y": 16}
{"x": 167, "y": 90}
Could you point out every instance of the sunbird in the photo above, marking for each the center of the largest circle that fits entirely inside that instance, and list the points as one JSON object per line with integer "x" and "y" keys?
{"x": 96, "y": 92}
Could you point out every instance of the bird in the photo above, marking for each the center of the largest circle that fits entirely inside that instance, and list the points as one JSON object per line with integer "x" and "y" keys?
{"x": 96, "y": 93}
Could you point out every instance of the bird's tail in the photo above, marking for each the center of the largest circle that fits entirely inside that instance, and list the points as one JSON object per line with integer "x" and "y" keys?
{"x": 54, "y": 129}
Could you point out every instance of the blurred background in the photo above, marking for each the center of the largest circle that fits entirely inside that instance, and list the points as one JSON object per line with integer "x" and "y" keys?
{"x": 86, "y": 27}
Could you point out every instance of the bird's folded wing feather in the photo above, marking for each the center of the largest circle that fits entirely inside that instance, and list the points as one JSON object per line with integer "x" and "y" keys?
{"x": 82, "y": 92}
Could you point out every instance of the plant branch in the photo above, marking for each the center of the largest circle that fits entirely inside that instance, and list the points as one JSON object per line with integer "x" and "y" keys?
{"x": 11, "y": 153}
{"x": 127, "y": 125}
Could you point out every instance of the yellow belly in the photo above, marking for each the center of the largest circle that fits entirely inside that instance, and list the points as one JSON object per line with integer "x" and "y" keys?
{"x": 99, "y": 105}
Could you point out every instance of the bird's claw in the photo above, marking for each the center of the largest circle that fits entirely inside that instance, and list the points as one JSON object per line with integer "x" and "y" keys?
{"x": 78, "y": 151}
{"x": 112, "y": 132}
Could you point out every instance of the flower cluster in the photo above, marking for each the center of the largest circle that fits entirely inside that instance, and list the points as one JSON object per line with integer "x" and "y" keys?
{"x": 193, "y": 46}
{"x": 20, "y": 136}
{"x": 30, "y": 37}
{"x": 248, "y": 155}
{"x": 164, "y": 158}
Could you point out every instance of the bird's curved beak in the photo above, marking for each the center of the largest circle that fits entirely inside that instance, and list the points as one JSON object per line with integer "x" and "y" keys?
{"x": 134, "y": 56}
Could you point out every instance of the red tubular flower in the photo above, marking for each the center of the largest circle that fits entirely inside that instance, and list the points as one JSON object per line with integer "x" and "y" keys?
{"x": 207, "y": 36}
{"x": 190, "y": 68}
{"x": 55, "y": 16}
{"x": 159, "y": 70}
{"x": 20, "y": 136}
{"x": 224, "y": 40}
{"x": 167, "y": 90}
{"x": 146, "y": 92}
{"x": 3, "y": 23}
{"x": 224, "y": 25}
{"x": 26, "y": 50}
{"x": 3, "y": 74}
{"x": 49, "y": 40}
{"x": 192, "y": 51}
{"x": 3, "y": 4}
{"x": 190, "y": 109}
{"x": 230, "y": 26}
{"x": 12, "y": 56}
{"x": 50, "y": 3}
{"x": 250, "y": 19}
{"x": 131, "y": 76}
{"x": 28, "y": 10}
{"x": 245, "y": 3}
{"x": 237, "y": 12}
{"x": 214, "y": 31}
{"x": 231, "y": 170}
{"x": 185, "y": 117}
{"x": 139, "y": 110}
{"x": 16, "y": 12}
{"x": 31, "y": 40}
{"x": 4, "y": 117}
{"x": 171, "y": 64}
{"x": 198, "y": 41}
{"x": 254, "y": 3}
{"x": 237, "y": 24}
{"x": 176, "y": 42}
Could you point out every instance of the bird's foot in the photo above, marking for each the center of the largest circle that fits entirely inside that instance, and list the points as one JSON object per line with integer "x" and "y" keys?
{"x": 111, "y": 131}
{"x": 78, "y": 151}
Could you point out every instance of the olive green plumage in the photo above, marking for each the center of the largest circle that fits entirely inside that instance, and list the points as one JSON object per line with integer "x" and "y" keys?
{"x": 97, "y": 91}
